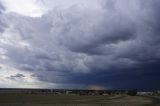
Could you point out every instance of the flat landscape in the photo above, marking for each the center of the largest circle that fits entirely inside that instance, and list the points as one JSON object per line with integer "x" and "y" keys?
{"x": 76, "y": 100}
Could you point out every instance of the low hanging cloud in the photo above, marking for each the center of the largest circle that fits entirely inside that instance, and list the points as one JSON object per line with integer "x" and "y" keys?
{"x": 102, "y": 45}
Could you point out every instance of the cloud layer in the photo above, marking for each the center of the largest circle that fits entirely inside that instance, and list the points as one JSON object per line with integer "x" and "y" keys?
{"x": 112, "y": 43}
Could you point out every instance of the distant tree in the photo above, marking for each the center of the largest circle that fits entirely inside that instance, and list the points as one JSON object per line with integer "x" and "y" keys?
{"x": 132, "y": 92}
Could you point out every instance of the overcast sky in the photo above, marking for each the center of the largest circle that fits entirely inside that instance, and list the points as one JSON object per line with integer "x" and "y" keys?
{"x": 94, "y": 44}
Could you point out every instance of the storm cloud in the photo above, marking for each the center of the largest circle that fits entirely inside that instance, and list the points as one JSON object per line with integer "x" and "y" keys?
{"x": 110, "y": 44}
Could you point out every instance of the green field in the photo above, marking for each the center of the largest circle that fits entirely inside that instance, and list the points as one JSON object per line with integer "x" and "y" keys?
{"x": 75, "y": 100}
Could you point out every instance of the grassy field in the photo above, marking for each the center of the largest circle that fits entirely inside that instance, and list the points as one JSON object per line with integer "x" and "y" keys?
{"x": 75, "y": 100}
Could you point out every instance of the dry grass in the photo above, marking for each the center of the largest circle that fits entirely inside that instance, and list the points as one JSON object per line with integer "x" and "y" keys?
{"x": 72, "y": 100}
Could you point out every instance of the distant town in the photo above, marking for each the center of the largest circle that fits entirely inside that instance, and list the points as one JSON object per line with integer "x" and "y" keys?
{"x": 81, "y": 92}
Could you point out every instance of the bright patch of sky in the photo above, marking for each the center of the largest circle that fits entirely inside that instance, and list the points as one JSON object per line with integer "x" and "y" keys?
{"x": 11, "y": 77}
{"x": 24, "y": 7}
{"x": 36, "y": 8}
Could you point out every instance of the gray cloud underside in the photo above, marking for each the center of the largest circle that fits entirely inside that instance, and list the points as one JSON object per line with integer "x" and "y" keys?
{"x": 64, "y": 43}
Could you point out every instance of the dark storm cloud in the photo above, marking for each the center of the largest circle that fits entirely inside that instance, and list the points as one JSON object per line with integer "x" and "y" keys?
{"x": 2, "y": 8}
{"x": 143, "y": 76}
{"x": 2, "y": 24}
{"x": 116, "y": 45}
